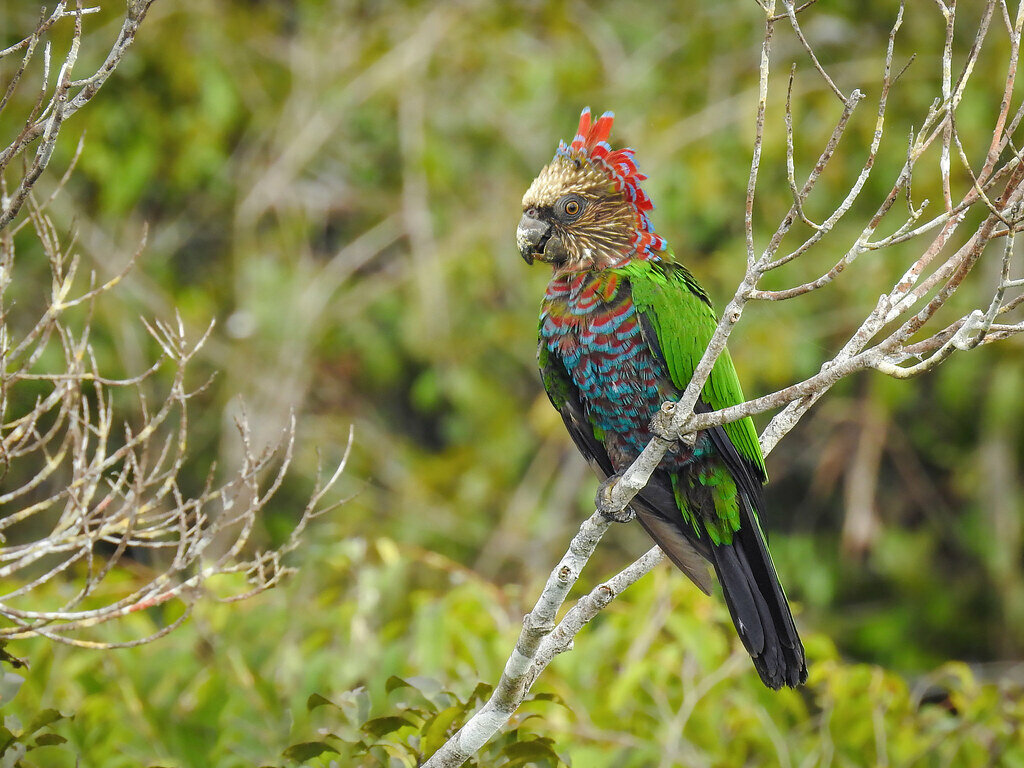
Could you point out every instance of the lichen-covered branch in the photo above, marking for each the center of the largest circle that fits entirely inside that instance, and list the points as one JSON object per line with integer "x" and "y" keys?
{"x": 91, "y": 465}
{"x": 56, "y": 102}
{"x": 84, "y": 488}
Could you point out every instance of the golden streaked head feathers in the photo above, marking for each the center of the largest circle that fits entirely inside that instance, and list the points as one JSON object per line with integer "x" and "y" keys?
{"x": 561, "y": 176}
{"x": 599, "y": 236}
{"x": 586, "y": 209}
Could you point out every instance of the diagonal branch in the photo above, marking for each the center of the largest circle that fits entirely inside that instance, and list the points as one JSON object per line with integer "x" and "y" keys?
{"x": 997, "y": 189}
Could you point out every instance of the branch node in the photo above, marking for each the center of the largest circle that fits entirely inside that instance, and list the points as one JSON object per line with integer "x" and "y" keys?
{"x": 969, "y": 335}
{"x": 604, "y": 594}
{"x": 661, "y": 423}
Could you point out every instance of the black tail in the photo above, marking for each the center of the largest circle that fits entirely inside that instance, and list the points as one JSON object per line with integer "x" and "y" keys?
{"x": 758, "y": 605}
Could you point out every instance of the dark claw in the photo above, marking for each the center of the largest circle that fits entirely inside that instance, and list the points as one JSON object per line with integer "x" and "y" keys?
{"x": 604, "y": 505}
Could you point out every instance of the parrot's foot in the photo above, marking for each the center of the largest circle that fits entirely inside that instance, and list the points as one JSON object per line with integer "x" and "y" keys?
{"x": 604, "y": 504}
{"x": 661, "y": 425}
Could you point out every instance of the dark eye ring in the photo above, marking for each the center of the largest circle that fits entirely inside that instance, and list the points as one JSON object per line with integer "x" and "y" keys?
{"x": 572, "y": 207}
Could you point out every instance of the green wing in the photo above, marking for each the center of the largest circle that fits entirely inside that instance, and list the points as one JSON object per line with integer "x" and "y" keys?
{"x": 675, "y": 305}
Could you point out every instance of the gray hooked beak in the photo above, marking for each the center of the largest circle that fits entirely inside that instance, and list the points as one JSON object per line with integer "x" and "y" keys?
{"x": 531, "y": 237}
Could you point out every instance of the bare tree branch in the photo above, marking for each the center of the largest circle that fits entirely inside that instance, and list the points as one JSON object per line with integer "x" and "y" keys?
{"x": 86, "y": 479}
{"x": 886, "y": 340}
{"x": 56, "y": 106}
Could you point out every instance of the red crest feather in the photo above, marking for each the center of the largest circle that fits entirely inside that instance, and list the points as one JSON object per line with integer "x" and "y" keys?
{"x": 590, "y": 144}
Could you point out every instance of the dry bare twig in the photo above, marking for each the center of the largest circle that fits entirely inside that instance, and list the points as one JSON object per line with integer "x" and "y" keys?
{"x": 888, "y": 340}
{"x": 84, "y": 488}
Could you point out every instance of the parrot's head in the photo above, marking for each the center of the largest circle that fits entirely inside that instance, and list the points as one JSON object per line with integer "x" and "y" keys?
{"x": 586, "y": 209}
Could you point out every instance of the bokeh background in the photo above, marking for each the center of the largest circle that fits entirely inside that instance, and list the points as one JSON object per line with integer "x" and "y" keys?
{"x": 337, "y": 185}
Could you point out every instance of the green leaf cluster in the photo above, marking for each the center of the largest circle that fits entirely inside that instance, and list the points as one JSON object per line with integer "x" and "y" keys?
{"x": 24, "y": 746}
{"x": 426, "y": 717}
{"x": 377, "y": 651}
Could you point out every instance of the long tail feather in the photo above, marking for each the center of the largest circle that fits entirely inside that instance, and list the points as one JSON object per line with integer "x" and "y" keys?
{"x": 758, "y": 605}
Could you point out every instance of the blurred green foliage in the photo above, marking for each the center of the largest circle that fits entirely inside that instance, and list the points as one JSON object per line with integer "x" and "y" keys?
{"x": 426, "y": 718}
{"x": 337, "y": 184}
{"x": 312, "y": 665}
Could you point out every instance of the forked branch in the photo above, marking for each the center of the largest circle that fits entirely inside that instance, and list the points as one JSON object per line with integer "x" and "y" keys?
{"x": 87, "y": 480}
{"x": 888, "y": 340}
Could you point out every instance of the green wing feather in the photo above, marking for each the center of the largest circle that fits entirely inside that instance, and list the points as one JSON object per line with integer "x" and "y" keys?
{"x": 684, "y": 322}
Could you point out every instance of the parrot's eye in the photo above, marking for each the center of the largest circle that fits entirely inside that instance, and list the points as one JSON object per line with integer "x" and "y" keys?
{"x": 571, "y": 206}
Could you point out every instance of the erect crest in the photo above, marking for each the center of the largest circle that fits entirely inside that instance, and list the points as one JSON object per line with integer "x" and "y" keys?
{"x": 590, "y": 145}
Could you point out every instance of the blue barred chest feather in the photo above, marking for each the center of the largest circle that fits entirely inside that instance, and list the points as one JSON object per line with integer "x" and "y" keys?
{"x": 590, "y": 324}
